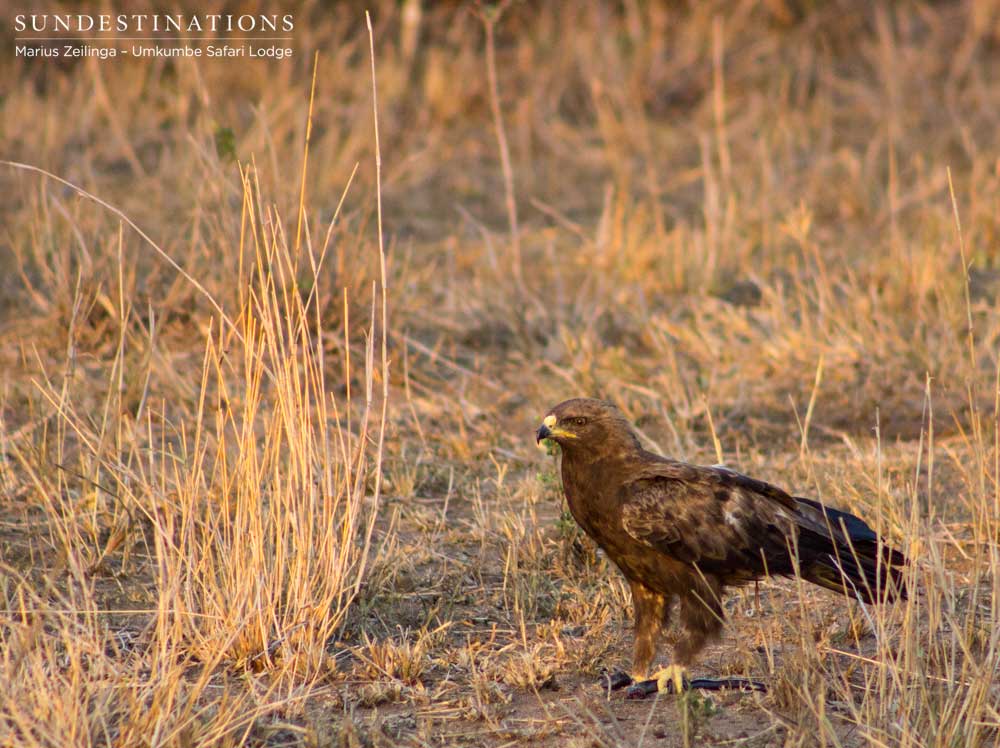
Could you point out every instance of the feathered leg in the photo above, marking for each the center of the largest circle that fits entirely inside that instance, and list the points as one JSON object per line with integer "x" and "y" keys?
{"x": 652, "y": 611}
{"x": 701, "y": 619}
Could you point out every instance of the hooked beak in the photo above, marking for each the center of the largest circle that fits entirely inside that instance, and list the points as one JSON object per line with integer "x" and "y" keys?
{"x": 545, "y": 430}
{"x": 548, "y": 430}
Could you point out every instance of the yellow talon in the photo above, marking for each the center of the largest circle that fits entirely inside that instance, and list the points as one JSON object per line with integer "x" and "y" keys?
{"x": 672, "y": 675}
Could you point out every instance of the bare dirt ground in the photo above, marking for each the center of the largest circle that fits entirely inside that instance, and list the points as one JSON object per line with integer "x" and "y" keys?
{"x": 267, "y": 474}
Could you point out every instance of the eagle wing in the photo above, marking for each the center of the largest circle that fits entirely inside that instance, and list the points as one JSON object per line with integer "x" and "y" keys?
{"x": 739, "y": 528}
{"x": 708, "y": 515}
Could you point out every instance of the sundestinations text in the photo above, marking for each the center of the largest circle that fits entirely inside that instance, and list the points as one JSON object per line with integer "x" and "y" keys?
{"x": 152, "y": 22}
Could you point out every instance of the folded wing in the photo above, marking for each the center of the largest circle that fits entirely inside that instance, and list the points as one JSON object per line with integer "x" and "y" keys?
{"x": 739, "y": 528}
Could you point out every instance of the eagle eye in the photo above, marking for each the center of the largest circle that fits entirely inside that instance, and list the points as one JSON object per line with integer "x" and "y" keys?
{"x": 581, "y": 421}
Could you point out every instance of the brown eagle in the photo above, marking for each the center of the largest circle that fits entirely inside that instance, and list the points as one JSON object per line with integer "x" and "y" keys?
{"x": 685, "y": 531}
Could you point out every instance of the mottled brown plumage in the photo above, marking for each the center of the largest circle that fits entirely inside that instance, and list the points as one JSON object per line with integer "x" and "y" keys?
{"x": 684, "y": 531}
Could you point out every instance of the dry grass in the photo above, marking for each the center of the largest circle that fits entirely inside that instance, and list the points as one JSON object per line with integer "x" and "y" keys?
{"x": 266, "y": 481}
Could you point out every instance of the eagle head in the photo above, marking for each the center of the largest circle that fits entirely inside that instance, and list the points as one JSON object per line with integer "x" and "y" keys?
{"x": 584, "y": 424}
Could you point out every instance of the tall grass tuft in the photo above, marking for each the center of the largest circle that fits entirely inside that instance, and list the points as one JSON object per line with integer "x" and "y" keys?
{"x": 255, "y": 507}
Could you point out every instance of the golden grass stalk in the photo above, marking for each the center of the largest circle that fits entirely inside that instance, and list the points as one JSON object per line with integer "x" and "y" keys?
{"x": 257, "y": 514}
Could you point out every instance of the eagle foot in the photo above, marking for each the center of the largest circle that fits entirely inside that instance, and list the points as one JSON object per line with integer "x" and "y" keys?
{"x": 666, "y": 680}
{"x": 671, "y": 679}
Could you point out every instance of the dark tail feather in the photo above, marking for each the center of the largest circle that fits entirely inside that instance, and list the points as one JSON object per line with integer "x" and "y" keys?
{"x": 842, "y": 554}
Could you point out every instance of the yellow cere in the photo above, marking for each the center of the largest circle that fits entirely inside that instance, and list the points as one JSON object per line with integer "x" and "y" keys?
{"x": 546, "y": 445}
